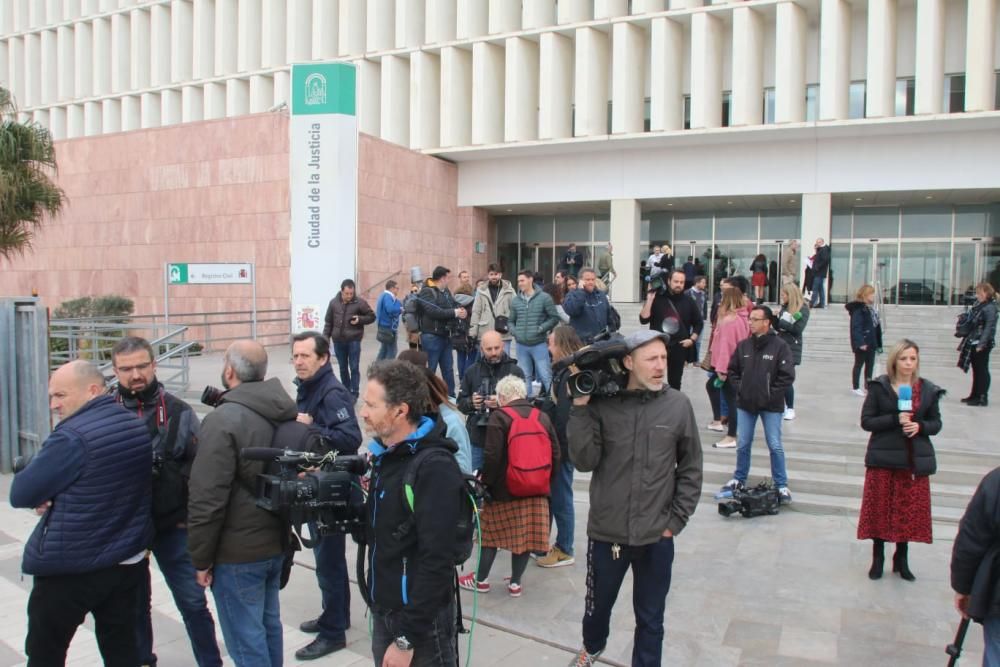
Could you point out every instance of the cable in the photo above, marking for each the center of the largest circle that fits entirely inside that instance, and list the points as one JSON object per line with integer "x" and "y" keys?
{"x": 475, "y": 578}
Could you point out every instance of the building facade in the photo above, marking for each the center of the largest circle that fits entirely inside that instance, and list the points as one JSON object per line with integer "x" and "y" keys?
{"x": 726, "y": 129}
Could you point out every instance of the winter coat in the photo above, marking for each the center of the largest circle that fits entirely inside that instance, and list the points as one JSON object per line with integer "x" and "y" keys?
{"x": 984, "y": 328}
{"x": 588, "y": 312}
{"x": 494, "y": 473}
{"x": 761, "y": 369}
{"x": 96, "y": 467}
{"x": 224, "y": 523}
{"x": 821, "y": 262}
{"x": 791, "y": 332}
{"x": 729, "y": 332}
{"x": 331, "y": 407}
{"x": 532, "y": 318}
{"x": 645, "y": 454}
{"x": 674, "y": 306}
{"x": 485, "y": 310}
{"x": 387, "y": 310}
{"x": 975, "y": 568}
{"x": 789, "y": 266}
{"x": 338, "y": 327}
{"x": 409, "y": 573}
{"x": 472, "y": 382}
{"x": 888, "y": 447}
{"x": 437, "y": 308}
{"x": 758, "y": 266}
{"x": 864, "y": 329}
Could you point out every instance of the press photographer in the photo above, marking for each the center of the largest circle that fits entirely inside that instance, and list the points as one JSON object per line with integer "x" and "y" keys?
{"x": 439, "y": 315}
{"x": 642, "y": 446}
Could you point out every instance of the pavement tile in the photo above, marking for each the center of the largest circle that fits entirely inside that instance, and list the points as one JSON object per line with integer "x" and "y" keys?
{"x": 813, "y": 645}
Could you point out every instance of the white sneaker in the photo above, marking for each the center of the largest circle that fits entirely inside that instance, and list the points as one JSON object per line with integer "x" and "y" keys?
{"x": 716, "y": 426}
{"x": 726, "y": 443}
{"x": 789, "y": 414}
{"x": 858, "y": 392}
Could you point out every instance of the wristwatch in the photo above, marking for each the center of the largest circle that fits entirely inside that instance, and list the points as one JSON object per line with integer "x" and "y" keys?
{"x": 403, "y": 644}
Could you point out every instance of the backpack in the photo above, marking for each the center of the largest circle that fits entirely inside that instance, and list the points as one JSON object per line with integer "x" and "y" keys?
{"x": 529, "y": 455}
{"x": 411, "y": 313}
{"x": 965, "y": 324}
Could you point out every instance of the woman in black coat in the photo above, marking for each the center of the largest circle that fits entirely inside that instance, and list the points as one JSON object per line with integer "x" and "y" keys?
{"x": 791, "y": 324}
{"x": 979, "y": 343}
{"x": 866, "y": 336}
{"x": 896, "y": 501}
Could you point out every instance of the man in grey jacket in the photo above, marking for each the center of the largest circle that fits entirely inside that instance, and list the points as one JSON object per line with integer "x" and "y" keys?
{"x": 643, "y": 449}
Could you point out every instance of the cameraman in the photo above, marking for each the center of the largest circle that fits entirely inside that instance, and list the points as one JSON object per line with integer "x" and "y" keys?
{"x": 439, "y": 311}
{"x": 672, "y": 311}
{"x": 411, "y": 573}
{"x": 235, "y": 546}
{"x": 478, "y": 395}
{"x": 643, "y": 448}
{"x": 328, "y": 406}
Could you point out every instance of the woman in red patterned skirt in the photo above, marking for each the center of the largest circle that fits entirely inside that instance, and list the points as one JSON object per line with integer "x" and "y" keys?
{"x": 518, "y": 524}
{"x": 896, "y": 503}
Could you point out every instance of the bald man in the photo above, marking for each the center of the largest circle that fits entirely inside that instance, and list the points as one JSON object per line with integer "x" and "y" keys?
{"x": 236, "y": 547}
{"x": 91, "y": 483}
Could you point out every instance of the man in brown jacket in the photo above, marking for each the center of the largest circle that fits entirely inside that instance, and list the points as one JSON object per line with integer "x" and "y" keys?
{"x": 790, "y": 263}
{"x": 346, "y": 317}
{"x": 643, "y": 449}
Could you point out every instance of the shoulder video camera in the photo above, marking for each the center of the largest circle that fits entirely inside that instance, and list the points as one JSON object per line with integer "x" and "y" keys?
{"x": 597, "y": 369}
{"x": 759, "y": 500}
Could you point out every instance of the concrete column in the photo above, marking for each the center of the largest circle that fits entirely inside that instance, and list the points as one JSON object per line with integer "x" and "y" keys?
{"x": 261, "y": 93}
{"x": 369, "y": 97}
{"x": 706, "y": 71}
{"x": 538, "y": 14}
{"x": 83, "y": 60}
{"x": 381, "y": 25}
{"x": 131, "y": 113}
{"x": 273, "y": 29}
{"x": 22, "y": 18}
{"x": 139, "y": 44}
{"x": 111, "y": 116}
{"x": 65, "y": 56}
{"x": 626, "y": 227}
{"x": 49, "y": 67}
{"x": 32, "y": 69}
{"x": 980, "y": 42}
{"x": 15, "y": 65}
{"x": 170, "y": 107}
{"x": 748, "y": 66}
{"x": 555, "y": 100}
{"x": 93, "y": 114}
{"x": 57, "y": 123}
{"x": 226, "y": 37}
{"x": 282, "y": 88}
{"x": 929, "y": 79}
{"x": 410, "y": 23}
{"x": 192, "y": 104}
{"x": 237, "y": 97}
{"x": 203, "y": 59}
{"x": 5, "y": 64}
{"x": 834, "y": 59}
{"x": 425, "y": 100}
{"x": 790, "y": 64}
{"x": 487, "y": 93}
{"x": 215, "y": 100}
{"x": 74, "y": 121}
{"x": 325, "y": 29}
{"x": 159, "y": 45}
{"x": 456, "y": 96}
{"x": 121, "y": 50}
{"x": 628, "y": 78}
{"x": 41, "y": 117}
{"x": 666, "y": 103}
{"x": 352, "y": 28}
{"x": 102, "y": 56}
{"x": 648, "y": 6}
{"x": 574, "y": 11}
{"x": 521, "y": 90}
{"x": 815, "y": 224}
{"x": 472, "y": 19}
{"x": 687, "y": 4}
{"x": 149, "y": 105}
{"x": 248, "y": 56}
{"x": 181, "y": 40}
{"x": 53, "y": 12}
{"x": 6, "y": 17}
{"x": 299, "y": 35}
{"x": 440, "y": 20}
{"x": 395, "y": 120}
{"x": 505, "y": 16}
{"x": 605, "y": 9}
{"x": 591, "y": 82}
{"x": 881, "y": 88}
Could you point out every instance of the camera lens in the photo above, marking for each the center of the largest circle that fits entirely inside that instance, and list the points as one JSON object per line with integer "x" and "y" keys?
{"x": 583, "y": 383}
{"x": 211, "y": 396}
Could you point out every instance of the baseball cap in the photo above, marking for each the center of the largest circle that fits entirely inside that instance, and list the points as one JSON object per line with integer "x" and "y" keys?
{"x": 637, "y": 339}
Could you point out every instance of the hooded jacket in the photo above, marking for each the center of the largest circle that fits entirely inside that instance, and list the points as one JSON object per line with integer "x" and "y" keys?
{"x": 888, "y": 447}
{"x": 761, "y": 369}
{"x": 338, "y": 326}
{"x": 791, "y": 332}
{"x": 472, "y": 382}
{"x": 588, "y": 312}
{"x": 645, "y": 454}
{"x": 864, "y": 330}
{"x": 485, "y": 310}
{"x": 224, "y": 523}
{"x": 975, "y": 568}
{"x": 410, "y": 574}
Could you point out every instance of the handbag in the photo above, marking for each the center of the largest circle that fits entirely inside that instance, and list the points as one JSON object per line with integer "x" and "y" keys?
{"x": 501, "y": 323}
{"x": 385, "y": 335}
{"x": 706, "y": 362}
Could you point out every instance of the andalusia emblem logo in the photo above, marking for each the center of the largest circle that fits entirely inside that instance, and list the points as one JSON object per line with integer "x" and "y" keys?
{"x": 315, "y": 89}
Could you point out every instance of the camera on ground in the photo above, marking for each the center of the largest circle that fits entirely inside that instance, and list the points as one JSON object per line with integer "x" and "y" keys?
{"x": 760, "y": 500}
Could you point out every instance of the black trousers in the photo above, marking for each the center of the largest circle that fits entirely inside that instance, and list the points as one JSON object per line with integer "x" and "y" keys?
{"x": 58, "y": 605}
{"x": 677, "y": 357}
{"x": 864, "y": 358}
{"x": 981, "y": 372}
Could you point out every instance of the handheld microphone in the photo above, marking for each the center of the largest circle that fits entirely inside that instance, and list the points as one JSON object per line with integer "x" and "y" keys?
{"x": 905, "y": 398}
{"x": 261, "y": 453}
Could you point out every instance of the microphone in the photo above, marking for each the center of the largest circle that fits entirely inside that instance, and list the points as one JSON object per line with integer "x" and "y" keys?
{"x": 261, "y": 453}
{"x": 905, "y": 398}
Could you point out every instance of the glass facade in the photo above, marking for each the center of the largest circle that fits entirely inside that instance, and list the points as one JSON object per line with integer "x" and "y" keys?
{"x": 539, "y": 243}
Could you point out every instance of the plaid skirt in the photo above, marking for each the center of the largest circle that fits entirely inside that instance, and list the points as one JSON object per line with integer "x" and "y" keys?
{"x": 517, "y": 525}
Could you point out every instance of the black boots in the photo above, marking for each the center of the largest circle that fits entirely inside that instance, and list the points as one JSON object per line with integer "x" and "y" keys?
{"x": 899, "y": 563}
{"x": 976, "y": 401}
{"x": 878, "y": 559}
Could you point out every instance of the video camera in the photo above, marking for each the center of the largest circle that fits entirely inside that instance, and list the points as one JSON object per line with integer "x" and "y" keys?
{"x": 597, "y": 369}
{"x": 759, "y": 500}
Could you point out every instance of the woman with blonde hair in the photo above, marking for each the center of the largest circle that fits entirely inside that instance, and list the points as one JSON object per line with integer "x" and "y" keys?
{"x": 866, "y": 335}
{"x": 732, "y": 327}
{"x": 901, "y": 412}
{"x": 977, "y": 345}
{"x": 791, "y": 324}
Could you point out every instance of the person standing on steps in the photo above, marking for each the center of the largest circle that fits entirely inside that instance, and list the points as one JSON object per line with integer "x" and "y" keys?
{"x": 896, "y": 500}
{"x": 866, "y": 336}
{"x": 532, "y": 316}
{"x": 673, "y": 312}
{"x": 790, "y": 264}
{"x": 791, "y": 324}
{"x": 820, "y": 269}
{"x": 976, "y": 347}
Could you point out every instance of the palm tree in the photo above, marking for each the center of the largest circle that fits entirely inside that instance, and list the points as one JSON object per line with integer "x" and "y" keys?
{"x": 27, "y": 191}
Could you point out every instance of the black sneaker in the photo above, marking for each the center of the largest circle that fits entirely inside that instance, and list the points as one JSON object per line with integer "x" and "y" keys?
{"x": 318, "y": 648}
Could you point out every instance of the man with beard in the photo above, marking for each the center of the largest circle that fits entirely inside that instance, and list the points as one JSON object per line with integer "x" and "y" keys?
{"x": 478, "y": 395}
{"x": 173, "y": 428}
{"x": 675, "y": 313}
{"x": 491, "y": 309}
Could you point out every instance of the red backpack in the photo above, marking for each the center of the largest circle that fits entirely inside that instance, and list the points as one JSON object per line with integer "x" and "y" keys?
{"x": 529, "y": 455}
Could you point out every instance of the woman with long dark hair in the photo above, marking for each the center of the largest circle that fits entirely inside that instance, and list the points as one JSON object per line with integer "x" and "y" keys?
{"x": 758, "y": 271}
{"x": 976, "y": 347}
{"x": 866, "y": 336}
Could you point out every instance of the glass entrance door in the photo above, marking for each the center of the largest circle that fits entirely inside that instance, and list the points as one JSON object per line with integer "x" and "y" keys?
{"x": 975, "y": 261}
{"x": 875, "y": 263}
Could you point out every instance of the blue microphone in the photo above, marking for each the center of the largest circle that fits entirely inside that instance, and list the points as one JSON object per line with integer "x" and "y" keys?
{"x": 905, "y": 398}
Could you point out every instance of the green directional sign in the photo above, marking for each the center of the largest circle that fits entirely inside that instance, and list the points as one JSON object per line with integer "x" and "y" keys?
{"x": 177, "y": 274}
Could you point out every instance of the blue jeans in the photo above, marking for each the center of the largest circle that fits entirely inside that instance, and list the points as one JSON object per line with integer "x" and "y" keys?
{"x": 331, "y": 574}
{"x": 246, "y": 597}
{"x": 991, "y": 641}
{"x": 746, "y": 423}
{"x": 466, "y": 358}
{"x": 387, "y": 350}
{"x": 438, "y": 349}
{"x": 561, "y": 505}
{"x": 651, "y": 567}
{"x": 534, "y": 360}
{"x": 349, "y": 360}
{"x": 478, "y": 457}
{"x": 170, "y": 550}
{"x": 819, "y": 292}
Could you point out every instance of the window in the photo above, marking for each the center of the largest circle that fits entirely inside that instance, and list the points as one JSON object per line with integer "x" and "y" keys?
{"x": 727, "y": 108}
{"x": 768, "y": 112}
{"x": 905, "y": 96}
{"x": 876, "y": 222}
{"x": 856, "y": 99}
{"x": 954, "y": 93}
{"x": 927, "y": 222}
{"x": 840, "y": 227}
{"x": 646, "y": 114}
{"x": 687, "y": 112}
{"x": 812, "y": 102}
{"x": 996, "y": 92}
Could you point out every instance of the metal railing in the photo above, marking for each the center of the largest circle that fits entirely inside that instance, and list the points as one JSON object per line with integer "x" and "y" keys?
{"x": 380, "y": 283}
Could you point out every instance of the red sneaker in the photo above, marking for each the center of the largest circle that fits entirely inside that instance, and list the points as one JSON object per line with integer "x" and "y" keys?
{"x": 469, "y": 583}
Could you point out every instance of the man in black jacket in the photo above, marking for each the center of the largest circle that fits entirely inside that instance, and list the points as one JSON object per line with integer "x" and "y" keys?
{"x": 173, "y": 428}
{"x": 346, "y": 317}
{"x": 675, "y": 313}
{"x": 975, "y": 572}
{"x": 761, "y": 369}
{"x": 437, "y": 308}
{"x": 820, "y": 268}
{"x": 478, "y": 394}
{"x": 411, "y": 572}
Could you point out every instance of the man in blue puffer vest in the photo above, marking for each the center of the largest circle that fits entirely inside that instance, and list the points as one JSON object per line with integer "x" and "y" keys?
{"x": 91, "y": 483}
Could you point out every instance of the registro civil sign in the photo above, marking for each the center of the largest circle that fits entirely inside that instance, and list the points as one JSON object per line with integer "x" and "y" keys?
{"x": 210, "y": 274}
{"x": 323, "y": 187}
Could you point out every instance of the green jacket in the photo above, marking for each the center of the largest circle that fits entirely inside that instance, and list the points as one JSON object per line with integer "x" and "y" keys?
{"x": 531, "y": 319}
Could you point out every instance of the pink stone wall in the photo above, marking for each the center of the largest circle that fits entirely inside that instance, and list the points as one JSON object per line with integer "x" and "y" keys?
{"x": 217, "y": 191}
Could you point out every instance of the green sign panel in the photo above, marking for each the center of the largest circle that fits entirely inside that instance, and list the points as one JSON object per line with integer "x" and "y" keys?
{"x": 177, "y": 274}
{"x": 323, "y": 88}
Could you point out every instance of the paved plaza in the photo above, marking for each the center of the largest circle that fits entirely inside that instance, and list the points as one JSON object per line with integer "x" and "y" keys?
{"x": 785, "y": 590}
